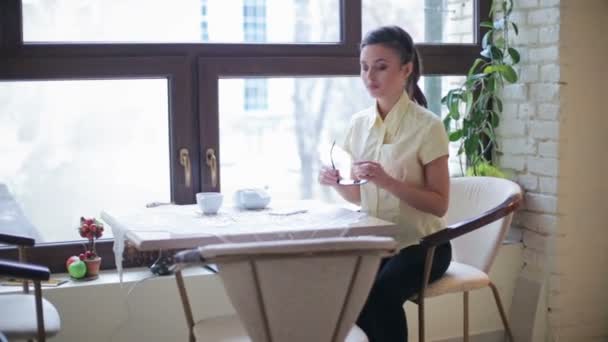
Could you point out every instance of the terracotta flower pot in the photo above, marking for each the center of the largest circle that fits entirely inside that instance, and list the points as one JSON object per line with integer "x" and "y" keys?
{"x": 93, "y": 266}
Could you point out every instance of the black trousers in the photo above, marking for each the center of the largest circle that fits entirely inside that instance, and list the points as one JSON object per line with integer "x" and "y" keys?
{"x": 398, "y": 279}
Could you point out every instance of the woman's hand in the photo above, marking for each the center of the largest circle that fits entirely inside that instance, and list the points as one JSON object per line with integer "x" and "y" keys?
{"x": 372, "y": 171}
{"x": 328, "y": 176}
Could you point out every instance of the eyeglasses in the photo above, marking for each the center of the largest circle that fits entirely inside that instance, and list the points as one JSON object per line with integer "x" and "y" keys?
{"x": 343, "y": 181}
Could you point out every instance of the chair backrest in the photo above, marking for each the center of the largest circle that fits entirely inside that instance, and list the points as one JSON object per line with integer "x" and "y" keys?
{"x": 299, "y": 290}
{"x": 470, "y": 197}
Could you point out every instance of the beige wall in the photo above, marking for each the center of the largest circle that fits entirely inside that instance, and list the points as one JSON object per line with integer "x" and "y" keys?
{"x": 580, "y": 301}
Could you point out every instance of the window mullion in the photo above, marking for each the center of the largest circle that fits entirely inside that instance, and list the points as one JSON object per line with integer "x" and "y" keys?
{"x": 10, "y": 24}
{"x": 350, "y": 22}
{"x": 481, "y": 12}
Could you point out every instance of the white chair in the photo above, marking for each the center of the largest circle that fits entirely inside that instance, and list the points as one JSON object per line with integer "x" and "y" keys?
{"x": 290, "y": 290}
{"x": 26, "y": 316}
{"x": 479, "y": 216}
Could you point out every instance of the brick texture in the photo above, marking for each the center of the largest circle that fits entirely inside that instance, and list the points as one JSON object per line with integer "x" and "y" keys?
{"x": 562, "y": 220}
{"x": 533, "y": 160}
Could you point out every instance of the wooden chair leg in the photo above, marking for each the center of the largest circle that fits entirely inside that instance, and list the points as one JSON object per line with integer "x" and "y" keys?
{"x": 501, "y": 311}
{"x": 465, "y": 315}
{"x": 421, "y": 319}
{"x": 186, "y": 304}
{"x": 39, "y": 312}
{"x": 428, "y": 263}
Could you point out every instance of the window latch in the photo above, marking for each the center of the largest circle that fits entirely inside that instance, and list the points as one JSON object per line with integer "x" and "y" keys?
{"x": 184, "y": 160}
{"x": 212, "y": 164}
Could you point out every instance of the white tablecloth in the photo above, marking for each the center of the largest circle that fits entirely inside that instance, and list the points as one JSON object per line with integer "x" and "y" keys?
{"x": 183, "y": 226}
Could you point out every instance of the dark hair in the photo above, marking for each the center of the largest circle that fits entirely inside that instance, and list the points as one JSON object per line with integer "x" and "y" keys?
{"x": 399, "y": 40}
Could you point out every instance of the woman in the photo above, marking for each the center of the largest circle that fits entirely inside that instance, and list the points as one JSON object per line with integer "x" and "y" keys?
{"x": 401, "y": 148}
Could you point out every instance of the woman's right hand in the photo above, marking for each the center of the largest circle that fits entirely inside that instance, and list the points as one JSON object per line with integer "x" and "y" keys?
{"x": 328, "y": 176}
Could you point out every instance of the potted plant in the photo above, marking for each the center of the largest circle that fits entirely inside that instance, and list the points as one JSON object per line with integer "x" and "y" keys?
{"x": 91, "y": 229}
{"x": 475, "y": 107}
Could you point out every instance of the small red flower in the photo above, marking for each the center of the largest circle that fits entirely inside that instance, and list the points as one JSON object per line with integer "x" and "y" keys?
{"x": 91, "y": 229}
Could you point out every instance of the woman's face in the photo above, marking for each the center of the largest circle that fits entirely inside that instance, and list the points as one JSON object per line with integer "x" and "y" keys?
{"x": 382, "y": 72}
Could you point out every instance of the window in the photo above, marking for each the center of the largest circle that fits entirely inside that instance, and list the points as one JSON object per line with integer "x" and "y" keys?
{"x": 157, "y": 78}
{"x": 63, "y": 152}
{"x": 306, "y": 116}
{"x": 184, "y": 21}
{"x": 430, "y": 21}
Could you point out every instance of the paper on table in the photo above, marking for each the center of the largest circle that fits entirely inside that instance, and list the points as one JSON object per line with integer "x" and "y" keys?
{"x": 287, "y": 212}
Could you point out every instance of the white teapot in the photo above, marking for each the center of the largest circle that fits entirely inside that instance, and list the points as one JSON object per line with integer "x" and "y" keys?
{"x": 251, "y": 199}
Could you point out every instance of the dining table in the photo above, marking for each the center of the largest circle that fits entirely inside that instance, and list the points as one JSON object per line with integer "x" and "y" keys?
{"x": 171, "y": 226}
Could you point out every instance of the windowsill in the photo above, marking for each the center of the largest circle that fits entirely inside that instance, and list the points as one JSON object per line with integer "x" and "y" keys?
{"x": 130, "y": 277}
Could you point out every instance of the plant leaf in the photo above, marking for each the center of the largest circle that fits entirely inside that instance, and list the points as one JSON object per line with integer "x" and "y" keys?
{"x": 515, "y": 28}
{"x": 496, "y": 53}
{"x": 454, "y": 112}
{"x": 494, "y": 120}
{"x": 447, "y": 123}
{"x": 509, "y": 8}
{"x": 456, "y": 135}
{"x": 508, "y": 73}
{"x": 471, "y": 145}
{"x": 475, "y": 65}
{"x": 487, "y": 24}
{"x": 477, "y": 76}
{"x": 486, "y": 52}
{"x": 487, "y": 38}
{"x": 514, "y": 55}
{"x": 469, "y": 102}
{"x": 498, "y": 103}
{"x": 490, "y": 69}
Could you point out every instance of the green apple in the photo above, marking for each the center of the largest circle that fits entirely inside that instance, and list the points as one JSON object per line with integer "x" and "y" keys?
{"x": 77, "y": 269}
{"x": 71, "y": 260}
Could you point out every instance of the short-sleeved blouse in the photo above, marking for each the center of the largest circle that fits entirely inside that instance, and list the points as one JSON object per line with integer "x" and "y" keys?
{"x": 408, "y": 138}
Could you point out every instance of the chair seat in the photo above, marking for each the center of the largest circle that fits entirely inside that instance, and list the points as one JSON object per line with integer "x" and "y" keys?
{"x": 458, "y": 278}
{"x": 18, "y": 312}
{"x": 230, "y": 329}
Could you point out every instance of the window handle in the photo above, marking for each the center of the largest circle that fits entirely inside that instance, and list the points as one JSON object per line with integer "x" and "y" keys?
{"x": 184, "y": 160}
{"x": 212, "y": 164}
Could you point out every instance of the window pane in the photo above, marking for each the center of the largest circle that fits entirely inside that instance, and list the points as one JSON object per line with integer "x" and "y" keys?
{"x": 182, "y": 21}
{"x": 72, "y": 148}
{"x": 431, "y": 21}
{"x": 434, "y": 88}
{"x": 282, "y": 148}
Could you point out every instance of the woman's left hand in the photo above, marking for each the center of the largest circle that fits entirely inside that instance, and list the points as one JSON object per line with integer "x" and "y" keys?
{"x": 372, "y": 171}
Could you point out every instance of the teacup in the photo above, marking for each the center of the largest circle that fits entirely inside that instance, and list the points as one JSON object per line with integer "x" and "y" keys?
{"x": 251, "y": 199}
{"x": 209, "y": 202}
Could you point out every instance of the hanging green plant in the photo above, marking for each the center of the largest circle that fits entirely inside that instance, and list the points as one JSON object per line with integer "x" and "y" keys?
{"x": 475, "y": 107}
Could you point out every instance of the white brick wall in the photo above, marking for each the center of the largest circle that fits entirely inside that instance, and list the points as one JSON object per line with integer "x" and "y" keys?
{"x": 551, "y": 132}
{"x": 533, "y": 158}
{"x": 559, "y": 102}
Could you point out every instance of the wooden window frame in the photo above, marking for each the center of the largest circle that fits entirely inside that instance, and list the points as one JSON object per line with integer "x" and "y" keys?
{"x": 193, "y": 72}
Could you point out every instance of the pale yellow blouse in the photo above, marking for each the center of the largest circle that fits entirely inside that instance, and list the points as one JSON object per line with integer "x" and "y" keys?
{"x": 409, "y": 138}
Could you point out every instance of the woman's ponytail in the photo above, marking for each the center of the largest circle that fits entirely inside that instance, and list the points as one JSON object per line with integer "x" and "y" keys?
{"x": 413, "y": 89}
